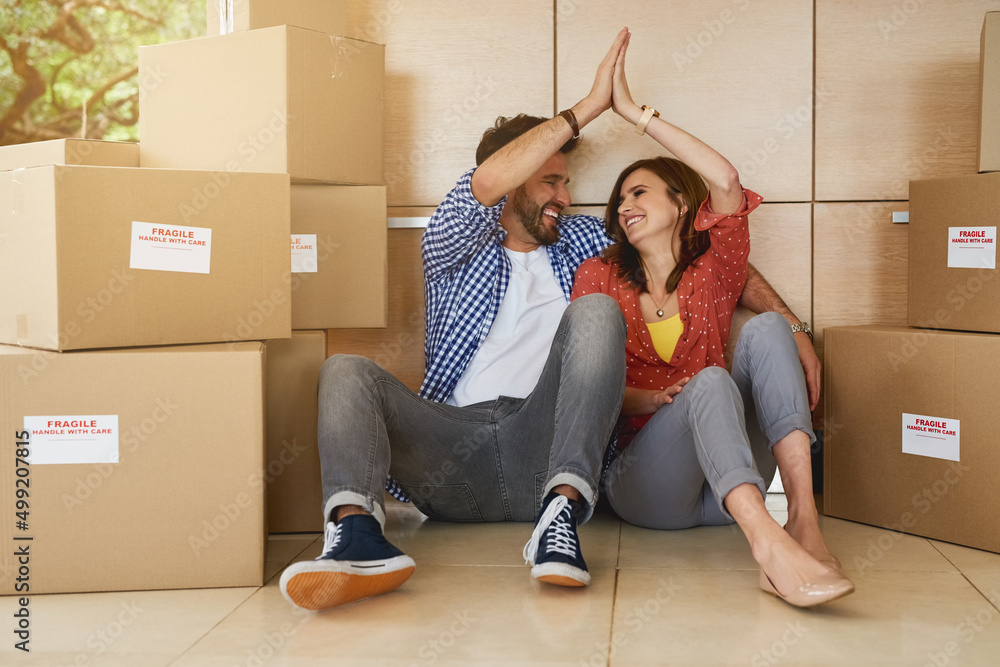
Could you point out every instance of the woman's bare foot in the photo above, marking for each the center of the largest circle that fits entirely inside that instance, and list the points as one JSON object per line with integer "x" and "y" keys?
{"x": 805, "y": 531}
{"x": 785, "y": 563}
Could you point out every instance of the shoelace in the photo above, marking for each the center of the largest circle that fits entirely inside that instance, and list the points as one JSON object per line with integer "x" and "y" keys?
{"x": 331, "y": 537}
{"x": 561, "y": 539}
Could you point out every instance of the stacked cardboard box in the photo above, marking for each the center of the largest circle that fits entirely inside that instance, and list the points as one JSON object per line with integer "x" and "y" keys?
{"x": 121, "y": 449}
{"x": 292, "y": 470}
{"x": 278, "y": 88}
{"x": 989, "y": 98}
{"x": 110, "y": 256}
{"x": 910, "y": 412}
{"x": 132, "y": 469}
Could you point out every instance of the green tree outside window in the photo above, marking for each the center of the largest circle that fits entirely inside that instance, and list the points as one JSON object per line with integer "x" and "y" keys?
{"x": 69, "y": 68}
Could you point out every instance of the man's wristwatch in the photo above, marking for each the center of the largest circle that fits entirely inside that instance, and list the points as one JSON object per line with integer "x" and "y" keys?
{"x": 803, "y": 326}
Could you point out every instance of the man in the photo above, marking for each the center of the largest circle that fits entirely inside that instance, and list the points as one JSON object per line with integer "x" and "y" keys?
{"x": 522, "y": 389}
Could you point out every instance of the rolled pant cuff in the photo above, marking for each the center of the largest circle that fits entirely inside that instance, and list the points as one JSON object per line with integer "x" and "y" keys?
{"x": 731, "y": 480}
{"x": 793, "y": 422}
{"x": 586, "y": 490}
{"x": 353, "y": 498}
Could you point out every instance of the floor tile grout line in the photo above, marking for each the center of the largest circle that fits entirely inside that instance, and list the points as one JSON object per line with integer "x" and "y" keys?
{"x": 614, "y": 593}
{"x": 214, "y": 626}
{"x": 965, "y": 576}
{"x": 982, "y": 594}
{"x": 611, "y": 625}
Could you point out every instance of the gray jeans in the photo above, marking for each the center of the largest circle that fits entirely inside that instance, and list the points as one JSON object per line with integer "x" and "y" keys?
{"x": 491, "y": 461}
{"x": 717, "y": 434}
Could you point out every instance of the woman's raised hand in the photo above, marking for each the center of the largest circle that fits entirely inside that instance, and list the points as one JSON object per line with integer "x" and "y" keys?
{"x": 598, "y": 99}
{"x": 621, "y": 97}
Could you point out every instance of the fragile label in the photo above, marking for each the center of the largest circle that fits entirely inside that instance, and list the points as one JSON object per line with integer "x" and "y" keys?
{"x": 73, "y": 439}
{"x": 935, "y": 437}
{"x": 972, "y": 247}
{"x": 304, "y": 258}
{"x": 158, "y": 247}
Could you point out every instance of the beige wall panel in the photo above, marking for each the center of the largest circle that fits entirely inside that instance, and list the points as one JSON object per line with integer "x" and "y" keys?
{"x": 897, "y": 89}
{"x": 860, "y": 266}
{"x": 452, "y": 67}
{"x": 736, "y": 74}
{"x": 399, "y": 348}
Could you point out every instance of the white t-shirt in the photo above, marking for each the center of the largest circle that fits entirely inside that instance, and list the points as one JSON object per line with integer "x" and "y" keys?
{"x": 511, "y": 359}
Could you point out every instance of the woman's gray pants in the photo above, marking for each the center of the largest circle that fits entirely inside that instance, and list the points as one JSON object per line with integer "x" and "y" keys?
{"x": 717, "y": 434}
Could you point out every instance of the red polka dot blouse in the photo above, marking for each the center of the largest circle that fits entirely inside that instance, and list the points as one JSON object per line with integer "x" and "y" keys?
{"x": 707, "y": 296}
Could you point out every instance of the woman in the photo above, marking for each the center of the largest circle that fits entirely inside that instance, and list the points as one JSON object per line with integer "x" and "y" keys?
{"x": 690, "y": 452}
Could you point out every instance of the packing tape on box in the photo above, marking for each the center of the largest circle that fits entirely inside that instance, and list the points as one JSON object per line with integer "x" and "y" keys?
{"x": 340, "y": 56}
{"x": 17, "y": 191}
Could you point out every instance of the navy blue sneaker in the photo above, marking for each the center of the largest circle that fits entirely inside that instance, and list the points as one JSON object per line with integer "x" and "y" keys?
{"x": 357, "y": 562}
{"x": 554, "y": 548}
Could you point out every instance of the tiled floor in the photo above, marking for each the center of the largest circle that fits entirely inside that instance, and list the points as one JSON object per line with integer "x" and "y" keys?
{"x": 683, "y": 598}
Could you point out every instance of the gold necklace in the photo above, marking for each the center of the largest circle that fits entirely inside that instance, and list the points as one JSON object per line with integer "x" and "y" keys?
{"x": 659, "y": 310}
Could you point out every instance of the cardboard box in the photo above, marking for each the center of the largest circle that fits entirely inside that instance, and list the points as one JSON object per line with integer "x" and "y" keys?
{"x": 70, "y": 151}
{"x": 989, "y": 94}
{"x": 79, "y": 270}
{"x": 165, "y": 491}
{"x": 284, "y": 99}
{"x": 339, "y": 251}
{"x": 226, "y": 16}
{"x": 952, "y": 253}
{"x": 910, "y": 441}
{"x": 292, "y": 471}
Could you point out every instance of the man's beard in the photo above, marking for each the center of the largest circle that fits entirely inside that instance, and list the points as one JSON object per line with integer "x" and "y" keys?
{"x": 531, "y": 217}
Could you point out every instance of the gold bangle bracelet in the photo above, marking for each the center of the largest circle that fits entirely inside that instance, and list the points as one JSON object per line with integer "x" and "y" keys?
{"x": 648, "y": 113}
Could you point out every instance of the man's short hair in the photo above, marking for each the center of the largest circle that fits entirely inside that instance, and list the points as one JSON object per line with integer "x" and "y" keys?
{"x": 506, "y": 130}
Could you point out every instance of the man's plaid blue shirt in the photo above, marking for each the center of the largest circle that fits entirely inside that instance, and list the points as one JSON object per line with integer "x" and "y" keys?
{"x": 466, "y": 274}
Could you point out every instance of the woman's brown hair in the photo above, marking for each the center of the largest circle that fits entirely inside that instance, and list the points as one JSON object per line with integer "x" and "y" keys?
{"x": 685, "y": 187}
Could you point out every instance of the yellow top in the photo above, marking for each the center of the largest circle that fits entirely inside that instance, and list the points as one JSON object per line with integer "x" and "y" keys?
{"x": 665, "y": 335}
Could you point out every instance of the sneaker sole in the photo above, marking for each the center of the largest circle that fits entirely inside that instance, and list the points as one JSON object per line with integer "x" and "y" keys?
{"x": 561, "y": 574}
{"x": 318, "y": 585}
